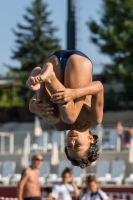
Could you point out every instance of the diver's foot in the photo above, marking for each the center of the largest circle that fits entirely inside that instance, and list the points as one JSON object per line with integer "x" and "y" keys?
{"x": 32, "y": 85}
{"x": 45, "y": 75}
{"x": 30, "y": 82}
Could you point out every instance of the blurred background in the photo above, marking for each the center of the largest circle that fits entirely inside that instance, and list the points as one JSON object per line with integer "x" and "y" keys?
{"x": 30, "y": 32}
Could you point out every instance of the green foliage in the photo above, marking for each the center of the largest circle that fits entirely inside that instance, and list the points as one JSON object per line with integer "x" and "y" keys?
{"x": 114, "y": 37}
{"x": 9, "y": 97}
{"x": 35, "y": 42}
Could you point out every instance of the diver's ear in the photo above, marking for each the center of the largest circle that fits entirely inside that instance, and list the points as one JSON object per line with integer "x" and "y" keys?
{"x": 91, "y": 138}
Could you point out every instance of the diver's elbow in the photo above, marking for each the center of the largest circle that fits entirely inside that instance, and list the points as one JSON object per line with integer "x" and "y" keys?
{"x": 69, "y": 120}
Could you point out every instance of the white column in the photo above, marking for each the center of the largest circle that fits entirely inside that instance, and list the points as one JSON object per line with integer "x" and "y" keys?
{"x": 11, "y": 148}
{"x": 45, "y": 141}
{"x": 62, "y": 141}
{"x": 28, "y": 141}
{"x": 2, "y": 144}
{"x": 118, "y": 144}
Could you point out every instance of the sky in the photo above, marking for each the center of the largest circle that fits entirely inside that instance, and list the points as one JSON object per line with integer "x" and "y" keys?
{"x": 11, "y": 13}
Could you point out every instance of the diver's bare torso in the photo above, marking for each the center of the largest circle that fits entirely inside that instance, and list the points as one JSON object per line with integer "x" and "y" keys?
{"x": 82, "y": 121}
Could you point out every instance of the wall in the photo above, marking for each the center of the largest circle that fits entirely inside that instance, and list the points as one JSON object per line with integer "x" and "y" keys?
{"x": 110, "y": 118}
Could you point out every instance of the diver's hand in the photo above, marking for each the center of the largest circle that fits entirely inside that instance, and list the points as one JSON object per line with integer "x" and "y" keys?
{"x": 63, "y": 95}
{"x": 42, "y": 109}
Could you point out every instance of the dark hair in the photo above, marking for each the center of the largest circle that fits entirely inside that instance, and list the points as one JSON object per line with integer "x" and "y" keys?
{"x": 91, "y": 155}
{"x": 66, "y": 170}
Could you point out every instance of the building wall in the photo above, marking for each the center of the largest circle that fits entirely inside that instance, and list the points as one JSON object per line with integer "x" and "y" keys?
{"x": 111, "y": 117}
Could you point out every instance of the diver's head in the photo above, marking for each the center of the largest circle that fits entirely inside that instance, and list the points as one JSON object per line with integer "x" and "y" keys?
{"x": 81, "y": 148}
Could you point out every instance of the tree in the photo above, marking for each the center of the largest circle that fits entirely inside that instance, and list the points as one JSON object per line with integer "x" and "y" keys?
{"x": 35, "y": 42}
{"x": 114, "y": 37}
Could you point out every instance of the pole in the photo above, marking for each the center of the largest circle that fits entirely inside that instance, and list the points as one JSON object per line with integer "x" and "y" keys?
{"x": 71, "y": 25}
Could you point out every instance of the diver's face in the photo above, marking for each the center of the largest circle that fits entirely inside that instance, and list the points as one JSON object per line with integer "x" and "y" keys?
{"x": 77, "y": 143}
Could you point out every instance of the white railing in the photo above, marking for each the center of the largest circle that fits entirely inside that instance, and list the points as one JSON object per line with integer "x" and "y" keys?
{"x": 107, "y": 139}
{"x": 2, "y": 142}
